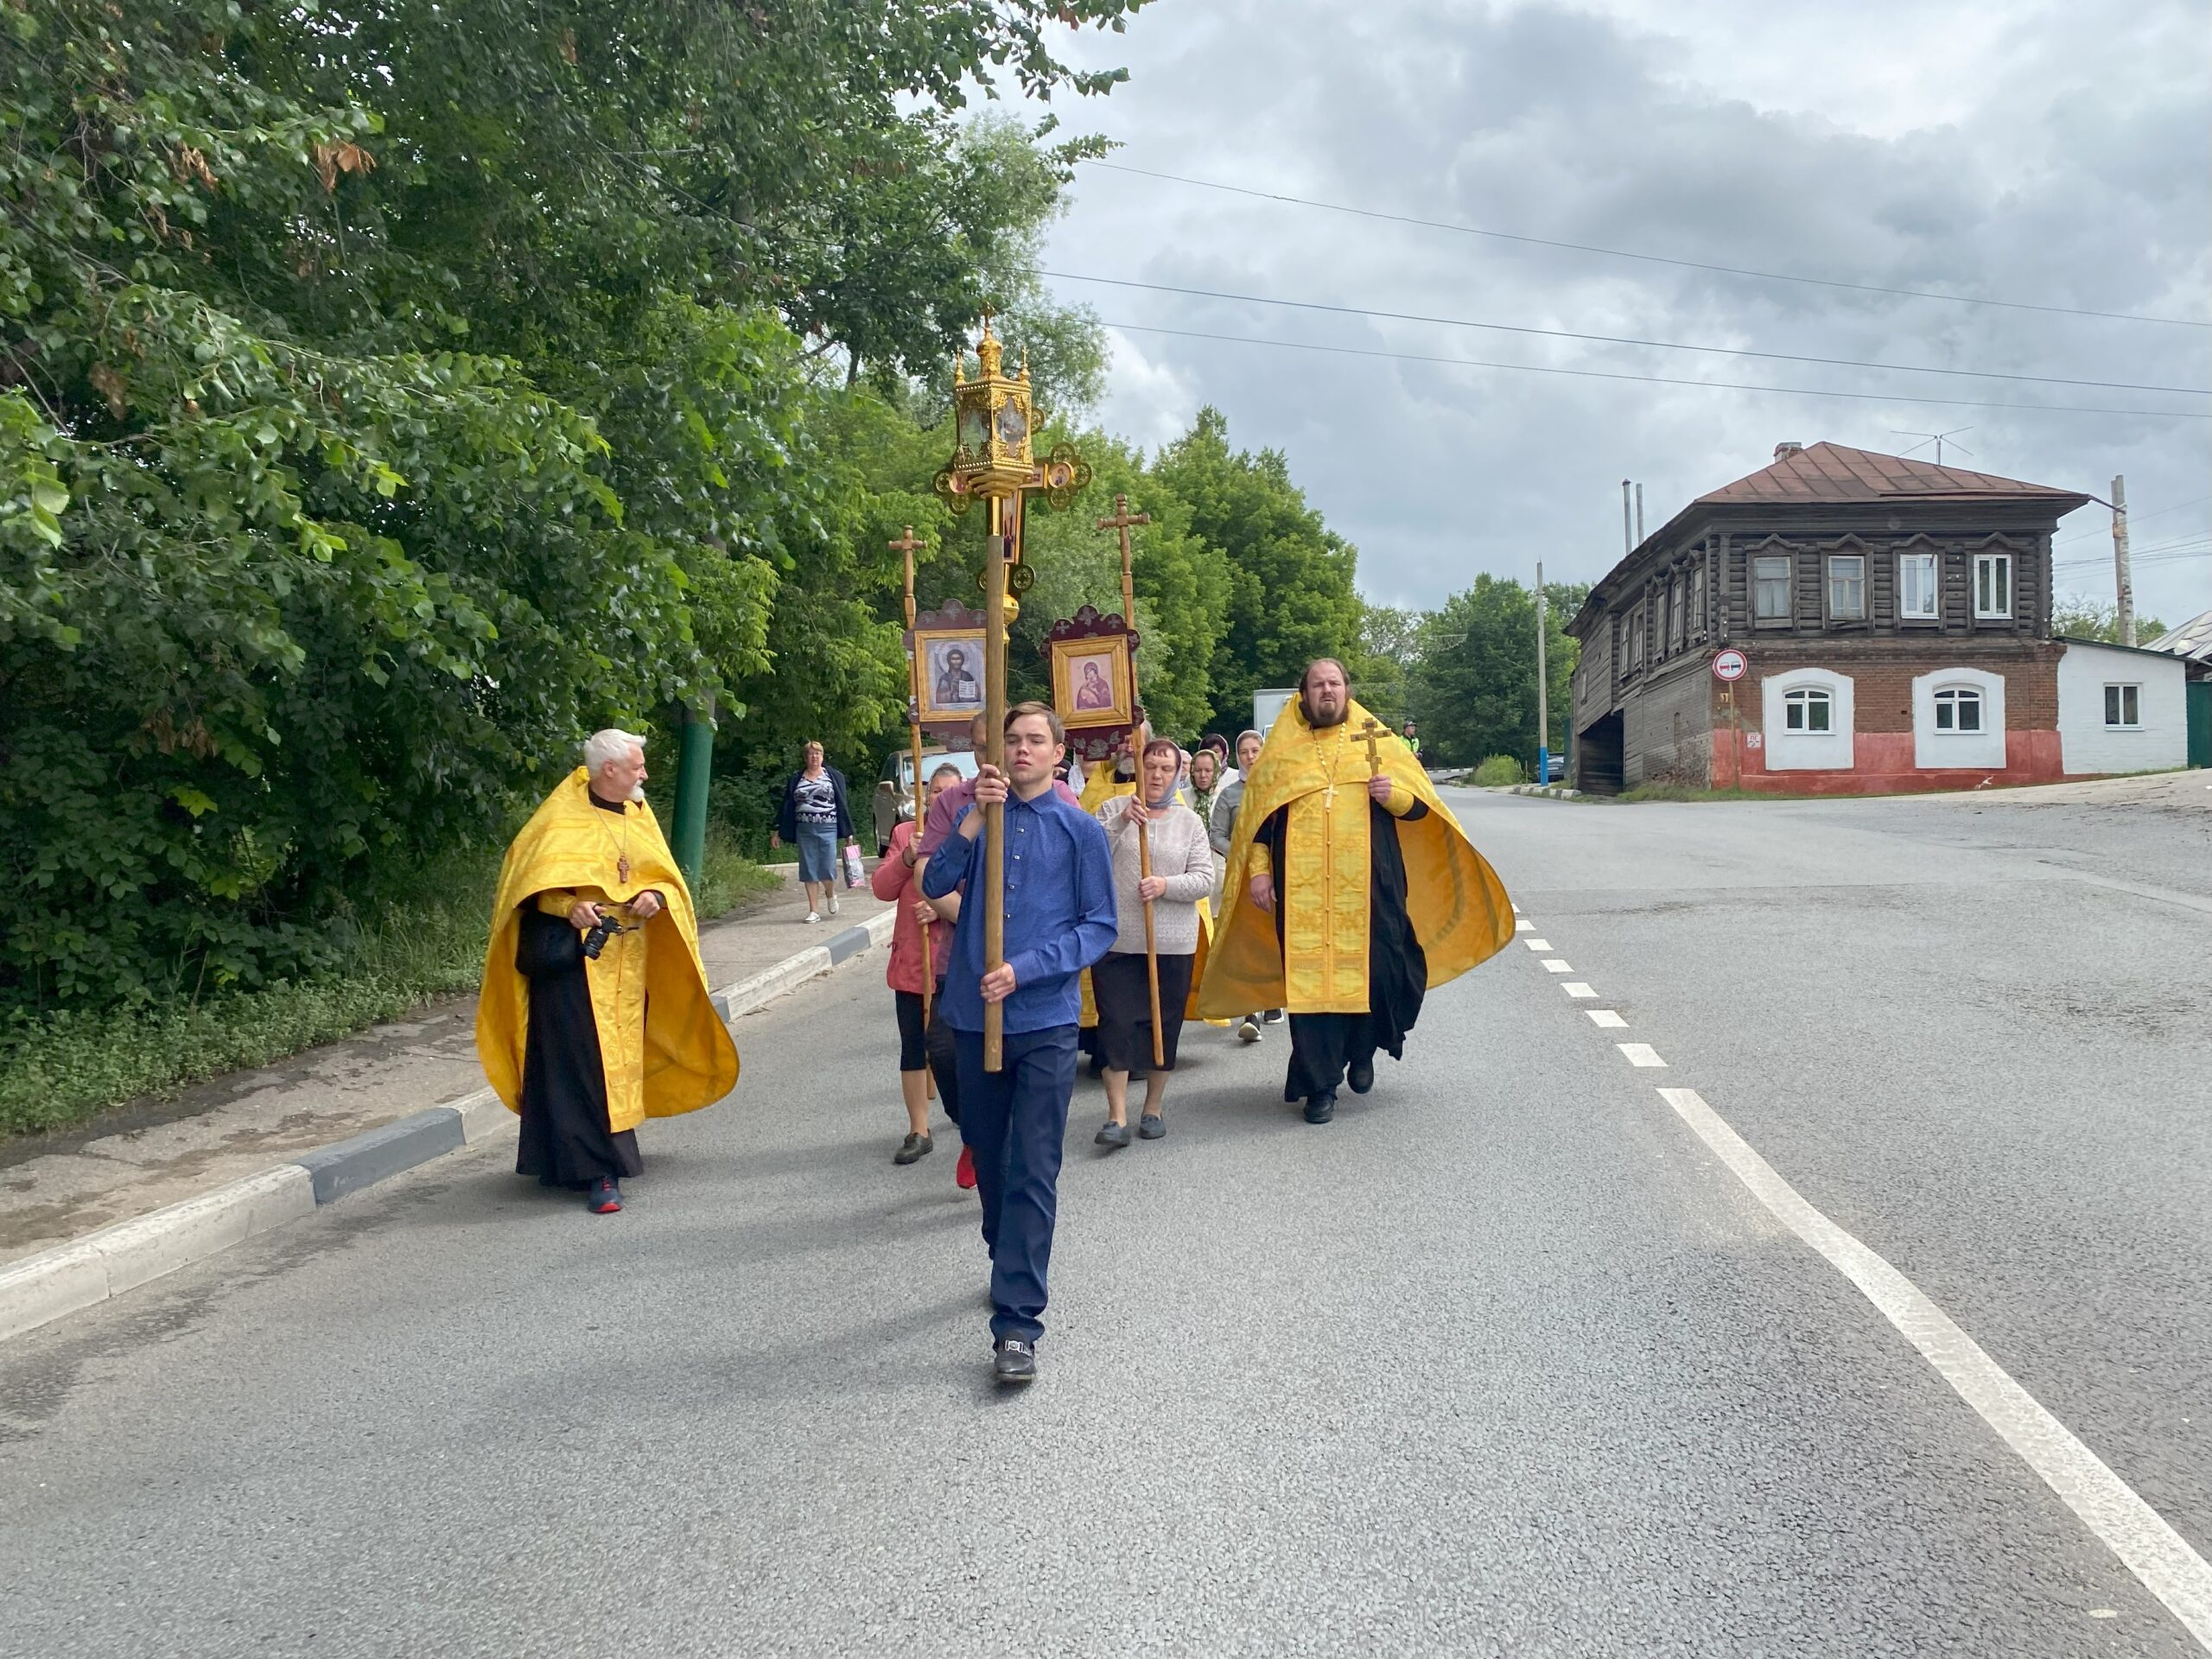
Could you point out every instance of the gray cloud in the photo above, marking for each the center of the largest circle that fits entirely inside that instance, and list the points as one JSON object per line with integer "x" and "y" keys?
{"x": 2029, "y": 151}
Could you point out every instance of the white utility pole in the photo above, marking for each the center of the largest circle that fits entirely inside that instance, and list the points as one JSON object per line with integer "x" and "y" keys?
{"x": 1628, "y": 541}
{"x": 2120, "y": 571}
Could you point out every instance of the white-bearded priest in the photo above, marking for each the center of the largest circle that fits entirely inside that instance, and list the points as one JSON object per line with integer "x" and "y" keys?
{"x": 1352, "y": 890}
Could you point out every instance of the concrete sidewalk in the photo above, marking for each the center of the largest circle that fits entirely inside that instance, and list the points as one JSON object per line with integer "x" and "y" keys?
{"x": 143, "y": 1157}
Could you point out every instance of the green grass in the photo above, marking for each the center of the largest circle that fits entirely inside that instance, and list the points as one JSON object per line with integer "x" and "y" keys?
{"x": 68, "y": 1067}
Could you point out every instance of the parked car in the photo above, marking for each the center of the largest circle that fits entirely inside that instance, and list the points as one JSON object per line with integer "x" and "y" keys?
{"x": 1555, "y": 772}
{"x": 895, "y": 787}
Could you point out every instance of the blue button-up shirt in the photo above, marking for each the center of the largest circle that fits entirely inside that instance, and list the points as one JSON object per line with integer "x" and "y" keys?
{"x": 1059, "y": 912}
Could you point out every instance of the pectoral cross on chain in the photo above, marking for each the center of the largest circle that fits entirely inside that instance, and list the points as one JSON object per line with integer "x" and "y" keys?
{"x": 622, "y": 869}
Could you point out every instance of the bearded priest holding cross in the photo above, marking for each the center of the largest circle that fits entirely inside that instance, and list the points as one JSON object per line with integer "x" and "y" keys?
{"x": 1350, "y": 891}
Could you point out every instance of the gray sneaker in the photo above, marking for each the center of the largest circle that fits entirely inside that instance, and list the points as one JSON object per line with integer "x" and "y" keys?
{"x": 1248, "y": 1032}
{"x": 1113, "y": 1134}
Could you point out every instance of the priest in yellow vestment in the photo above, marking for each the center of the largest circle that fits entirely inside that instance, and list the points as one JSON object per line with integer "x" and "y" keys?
{"x": 594, "y": 1013}
{"x": 1350, "y": 891}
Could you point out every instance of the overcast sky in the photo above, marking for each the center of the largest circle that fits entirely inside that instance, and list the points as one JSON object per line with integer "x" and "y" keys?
{"x": 2048, "y": 153}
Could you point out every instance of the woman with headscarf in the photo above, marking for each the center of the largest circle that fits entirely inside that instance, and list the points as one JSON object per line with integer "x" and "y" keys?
{"x": 897, "y": 881}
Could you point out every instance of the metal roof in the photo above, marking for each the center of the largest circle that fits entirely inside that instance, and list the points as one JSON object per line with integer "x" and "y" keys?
{"x": 2193, "y": 639}
{"x": 1828, "y": 472}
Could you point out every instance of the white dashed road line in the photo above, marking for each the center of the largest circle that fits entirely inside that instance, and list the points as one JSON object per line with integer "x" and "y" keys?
{"x": 1640, "y": 1054}
{"x": 2105, "y": 1504}
{"x": 1522, "y": 924}
{"x": 1576, "y": 989}
{"x": 1537, "y": 945}
{"x": 1554, "y": 965}
{"x": 1607, "y": 1018}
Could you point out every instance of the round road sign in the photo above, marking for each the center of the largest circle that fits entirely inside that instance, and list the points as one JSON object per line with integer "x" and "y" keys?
{"x": 1728, "y": 665}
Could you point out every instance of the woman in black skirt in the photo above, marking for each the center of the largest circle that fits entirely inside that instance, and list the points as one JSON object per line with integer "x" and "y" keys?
{"x": 1182, "y": 874}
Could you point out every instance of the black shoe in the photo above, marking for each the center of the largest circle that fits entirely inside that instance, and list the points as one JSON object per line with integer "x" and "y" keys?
{"x": 1273, "y": 1016}
{"x": 1113, "y": 1134}
{"x": 1014, "y": 1361}
{"x": 1149, "y": 1127}
{"x": 914, "y": 1149}
{"x": 1320, "y": 1109}
{"x": 1362, "y": 1078}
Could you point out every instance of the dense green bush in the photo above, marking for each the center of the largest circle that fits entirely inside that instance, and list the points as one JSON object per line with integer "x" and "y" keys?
{"x": 1498, "y": 770}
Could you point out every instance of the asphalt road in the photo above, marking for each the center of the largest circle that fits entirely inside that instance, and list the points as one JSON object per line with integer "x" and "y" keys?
{"x": 1505, "y": 1361}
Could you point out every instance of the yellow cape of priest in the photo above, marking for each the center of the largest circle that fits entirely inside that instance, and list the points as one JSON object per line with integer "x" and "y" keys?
{"x": 1456, "y": 904}
{"x": 679, "y": 1059}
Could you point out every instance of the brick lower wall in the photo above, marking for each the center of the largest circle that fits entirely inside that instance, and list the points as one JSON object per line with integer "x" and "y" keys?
{"x": 1882, "y": 749}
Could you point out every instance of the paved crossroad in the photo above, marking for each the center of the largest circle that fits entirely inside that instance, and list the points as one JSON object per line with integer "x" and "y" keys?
{"x": 1507, "y": 1360}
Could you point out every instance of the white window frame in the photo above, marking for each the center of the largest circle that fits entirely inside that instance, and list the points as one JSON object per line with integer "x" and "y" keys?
{"x": 1835, "y": 574}
{"x": 1934, "y": 565}
{"x": 1991, "y": 571}
{"x": 1947, "y": 749}
{"x": 1806, "y": 699}
{"x": 1784, "y": 750}
{"x": 1956, "y": 701}
{"x": 2130, "y": 691}
{"x": 1696, "y": 630}
{"x": 1789, "y": 611}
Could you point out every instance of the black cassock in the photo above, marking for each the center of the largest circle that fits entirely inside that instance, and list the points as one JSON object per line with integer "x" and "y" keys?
{"x": 565, "y": 1138}
{"x": 1323, "y": 1045}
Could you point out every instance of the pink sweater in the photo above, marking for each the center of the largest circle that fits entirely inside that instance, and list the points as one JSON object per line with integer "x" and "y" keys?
{"x": 894, "y": 884}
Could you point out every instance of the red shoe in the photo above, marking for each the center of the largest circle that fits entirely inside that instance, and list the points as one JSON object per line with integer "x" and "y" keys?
{"x": 963, "y": 1173}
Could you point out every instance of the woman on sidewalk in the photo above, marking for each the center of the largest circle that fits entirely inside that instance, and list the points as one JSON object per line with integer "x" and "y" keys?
{"x": 815, "y": 817}
{"x": 1182, "y": 873}
{"x": 897, "y": 882}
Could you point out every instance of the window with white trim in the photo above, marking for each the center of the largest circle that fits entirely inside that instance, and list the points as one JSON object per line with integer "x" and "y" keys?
{"x": 2123, "y": 707}
{"x": 1667, "y": 619}
{"x": 1958, "y": 708}
{"x": 1636, "y": 637}
{"x": 1916, "y": 599}
{"x": 1808, "y": 710}
{"x": 1846, "y": 588}
{"x": 1770, "y": 588}
{"x": 1992, "y": 585}
{"x": 1696, "y": 627}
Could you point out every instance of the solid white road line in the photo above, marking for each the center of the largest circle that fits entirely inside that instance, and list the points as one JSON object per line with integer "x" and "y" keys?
{"x": 1576, "y": 989}
{"x": 1537, "y": 945}
{"x": 1554, "y": 965}
{"x": 1640, "y": 1054}
{"x": 2105, "y": 1504}
{"x": 1607, "y": 1018}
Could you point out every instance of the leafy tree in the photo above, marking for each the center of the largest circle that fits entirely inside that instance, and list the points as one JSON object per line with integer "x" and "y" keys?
{"x": 2080, "y": 618}
{"x": 1290, "y": 592}
{"x": 1474, "y": 690}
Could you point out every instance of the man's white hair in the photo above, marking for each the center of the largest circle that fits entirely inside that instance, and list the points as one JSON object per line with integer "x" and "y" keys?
{"x": 612, "y": 743}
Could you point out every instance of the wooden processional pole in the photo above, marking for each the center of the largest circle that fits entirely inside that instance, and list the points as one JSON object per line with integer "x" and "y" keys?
{"x": 994, "y": 753}
{"x": 908, "y": 544}
{"x": 1122, "y": 521}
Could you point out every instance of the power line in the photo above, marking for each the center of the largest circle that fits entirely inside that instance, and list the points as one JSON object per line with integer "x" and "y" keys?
{"x": 1647, "y": 258}
{"x": 1620, "y": 340}
{"x": 1656, "y": 379}
{"x": 2134, "y": 518}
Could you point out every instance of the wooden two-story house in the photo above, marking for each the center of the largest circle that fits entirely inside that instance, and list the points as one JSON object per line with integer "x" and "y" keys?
{"x": 1894, "y": 617}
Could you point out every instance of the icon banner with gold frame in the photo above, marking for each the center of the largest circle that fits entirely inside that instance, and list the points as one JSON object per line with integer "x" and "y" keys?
{"x": 1091, "y": 680}
{"x": 948, "y": 646}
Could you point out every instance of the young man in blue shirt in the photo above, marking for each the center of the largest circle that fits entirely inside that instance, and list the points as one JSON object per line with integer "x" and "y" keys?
{"x": 1059, "y": 919}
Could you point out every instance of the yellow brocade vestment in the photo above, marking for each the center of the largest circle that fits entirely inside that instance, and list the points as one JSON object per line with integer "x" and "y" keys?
{"x": 679, "y": 1058}
{"x": 1454, "y": 901}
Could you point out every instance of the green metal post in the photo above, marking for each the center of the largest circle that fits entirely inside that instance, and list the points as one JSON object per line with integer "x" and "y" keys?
{"x": 695, "y": 762}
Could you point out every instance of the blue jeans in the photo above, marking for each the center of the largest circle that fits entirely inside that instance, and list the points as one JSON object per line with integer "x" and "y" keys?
{"x": 1015, "y": 1121}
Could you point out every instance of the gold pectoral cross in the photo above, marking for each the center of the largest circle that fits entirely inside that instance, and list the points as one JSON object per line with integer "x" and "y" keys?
{"x": 622, "y": 869}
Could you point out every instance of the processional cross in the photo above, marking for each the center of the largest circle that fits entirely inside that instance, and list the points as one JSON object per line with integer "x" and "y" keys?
{"x": 911, "y": 544}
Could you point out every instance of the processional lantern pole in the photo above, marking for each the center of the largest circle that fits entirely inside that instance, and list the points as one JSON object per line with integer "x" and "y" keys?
{"x": 993, "y": 457}
{"x": 1140, "y": 734}
{"x": 909, "y": 544}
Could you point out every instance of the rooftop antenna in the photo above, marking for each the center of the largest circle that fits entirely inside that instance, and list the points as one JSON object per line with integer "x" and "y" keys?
{"x": 1936, "y": 438}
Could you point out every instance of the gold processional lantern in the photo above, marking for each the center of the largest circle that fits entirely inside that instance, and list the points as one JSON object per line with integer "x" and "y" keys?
{"x": 993, "y": 457}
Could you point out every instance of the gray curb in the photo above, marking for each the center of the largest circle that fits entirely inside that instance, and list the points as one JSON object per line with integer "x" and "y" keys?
{"x": 89, "y": 1270}
{"x": 1552, "y": 792}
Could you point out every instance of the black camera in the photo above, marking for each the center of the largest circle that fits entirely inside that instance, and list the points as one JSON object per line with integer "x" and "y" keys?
{"x": 599, "y": 932}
